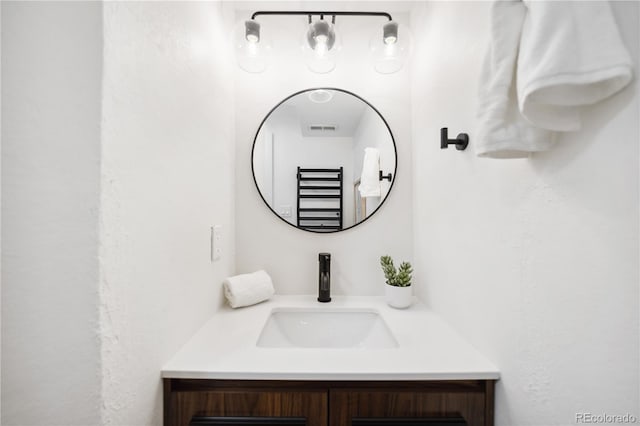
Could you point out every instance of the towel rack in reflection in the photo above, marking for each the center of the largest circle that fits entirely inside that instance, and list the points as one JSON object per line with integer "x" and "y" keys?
{"x": 320, "y": 199}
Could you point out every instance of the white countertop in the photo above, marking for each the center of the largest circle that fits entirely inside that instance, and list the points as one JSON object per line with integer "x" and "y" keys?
{"x": 428, "y": 348}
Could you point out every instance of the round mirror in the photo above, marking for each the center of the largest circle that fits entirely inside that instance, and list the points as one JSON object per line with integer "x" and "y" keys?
{"x": 324, "y": 160}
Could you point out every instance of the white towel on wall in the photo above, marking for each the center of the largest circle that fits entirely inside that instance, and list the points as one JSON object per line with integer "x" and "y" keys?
{"x": 370, "y": 176}
{"x": 504, "y": 133}
{"x": 571, "y": 55}
{"x": 565, "y": 55}
{"x": 248, "y": 289}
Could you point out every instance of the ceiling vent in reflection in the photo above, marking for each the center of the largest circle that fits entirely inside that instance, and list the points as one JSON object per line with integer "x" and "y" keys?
{"x": 322, "y": 128}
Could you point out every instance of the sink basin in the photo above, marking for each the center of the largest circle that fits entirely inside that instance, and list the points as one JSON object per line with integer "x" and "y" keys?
{"x": 326, "y": 328}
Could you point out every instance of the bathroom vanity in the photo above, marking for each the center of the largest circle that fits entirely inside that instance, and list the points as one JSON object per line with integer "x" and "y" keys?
{"x": 322, "y": 403}
{"x": 275, "y": 364}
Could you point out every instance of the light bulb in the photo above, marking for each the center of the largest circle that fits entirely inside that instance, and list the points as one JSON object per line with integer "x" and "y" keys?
{"x": 321, "y": 49}
{"x": 321, "y": 46}
{"x": 390, "y": 40}
{"x": 321, "y": 32}
{"x": 390, "y": 50}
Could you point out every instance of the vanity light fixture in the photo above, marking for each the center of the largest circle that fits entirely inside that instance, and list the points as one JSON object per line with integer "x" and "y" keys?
{"x": 388, "y": 47}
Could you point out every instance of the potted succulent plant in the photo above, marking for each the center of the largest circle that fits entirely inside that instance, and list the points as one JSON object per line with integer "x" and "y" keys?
{"x": 398, "y": 290}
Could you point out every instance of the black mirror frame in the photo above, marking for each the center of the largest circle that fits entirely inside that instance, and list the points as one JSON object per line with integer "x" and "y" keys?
{"x": 395, "y": 151}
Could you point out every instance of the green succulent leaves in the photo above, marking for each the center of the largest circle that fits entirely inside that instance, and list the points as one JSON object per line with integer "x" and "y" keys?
{"x": 398, "y": 278}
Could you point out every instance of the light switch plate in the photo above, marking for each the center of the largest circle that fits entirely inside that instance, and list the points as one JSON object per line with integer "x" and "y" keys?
{"x": 216, "y": 242}
{"x": 285, "y": 210}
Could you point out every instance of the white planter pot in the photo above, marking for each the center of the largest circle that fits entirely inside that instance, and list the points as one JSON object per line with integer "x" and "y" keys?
{"x": 398, "y": 297}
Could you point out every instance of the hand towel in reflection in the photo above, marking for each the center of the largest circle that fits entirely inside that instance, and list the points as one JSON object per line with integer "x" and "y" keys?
{"x": 248, "y": 289}
{"x": 370, "y": 177}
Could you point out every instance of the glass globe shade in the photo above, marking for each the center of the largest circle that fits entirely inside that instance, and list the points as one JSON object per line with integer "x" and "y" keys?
{"x": 252, "y": 47}
{"x": 321, "y": 46}
{"x": 390, "y": 47}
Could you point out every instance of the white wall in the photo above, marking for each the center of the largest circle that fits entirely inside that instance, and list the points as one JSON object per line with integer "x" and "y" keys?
{"x": 0, "y": 223}
{"x": 535, "y": 261}
{"x": 168, "y": 176}
{"x": 51, "y": 82}
{"x": 291, "y": 255}
{"x": 263, "y": 164}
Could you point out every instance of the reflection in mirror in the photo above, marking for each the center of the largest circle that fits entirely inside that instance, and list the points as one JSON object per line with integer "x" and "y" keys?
{"x": 317, "y": 160}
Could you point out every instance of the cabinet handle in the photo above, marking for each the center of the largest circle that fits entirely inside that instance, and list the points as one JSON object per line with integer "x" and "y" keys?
{"x": 247, "y": 421}
{"x": 452, "y": 420}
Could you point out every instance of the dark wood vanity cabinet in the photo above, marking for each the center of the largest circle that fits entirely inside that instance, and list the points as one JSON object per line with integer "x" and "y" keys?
{"x": 204, "y": 402}
{"x": 224, "y": 402}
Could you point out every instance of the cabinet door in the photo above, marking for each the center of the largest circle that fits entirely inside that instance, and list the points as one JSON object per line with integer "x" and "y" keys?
{"x": 410, "y": 406}
{"x": 249, "y": 406}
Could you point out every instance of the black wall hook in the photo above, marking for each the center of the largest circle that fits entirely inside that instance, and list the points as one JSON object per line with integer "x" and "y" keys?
{"x": 461, "y": 141}
{"x": 381, "y": 176}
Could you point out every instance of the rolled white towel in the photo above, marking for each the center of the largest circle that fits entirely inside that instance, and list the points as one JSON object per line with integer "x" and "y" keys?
{"x": 248, "y": 289}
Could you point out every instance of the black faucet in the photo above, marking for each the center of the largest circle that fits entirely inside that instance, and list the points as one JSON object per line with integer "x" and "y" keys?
{"x": 324, "y": 277}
